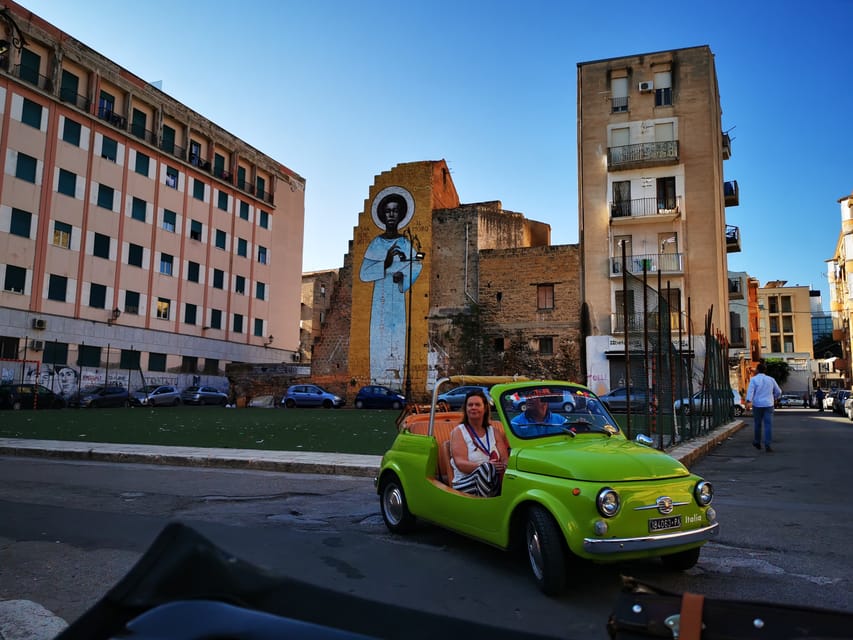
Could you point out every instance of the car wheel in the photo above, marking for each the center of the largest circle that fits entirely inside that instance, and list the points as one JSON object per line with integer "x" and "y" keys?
{"x": 392, "y": 503}
{"x": 681, "y": 561}
{"x": 289, "y": 403}
{"x": 522, "y": 407}
{"x": 397, "y": 405}
{"x": 327, "y": 404}
{"x": 568, "y": 407}
{"x": 16, "y": 405}
{"x": 545, "y": 551}
{"x": 359, "y": 404}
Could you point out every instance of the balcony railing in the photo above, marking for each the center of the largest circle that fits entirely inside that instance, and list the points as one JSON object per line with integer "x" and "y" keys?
{"x": 732, "y": 239}
{"x": 28, "y": 74}
{"x": 81, "y": 102}
{"x": 645, "y": 207}
{"x": 652, "y": 262}
{"x": 735, "y": 289}
{"x": 175, "y": 150}
{"x": 731, "y": 193}
{"x": 644, "y": 154}
{"x": 115, "y": 119}
{"x": 143, "y": 134}
{"x": 639, "y": 322}
{"x": 198, "y": 161}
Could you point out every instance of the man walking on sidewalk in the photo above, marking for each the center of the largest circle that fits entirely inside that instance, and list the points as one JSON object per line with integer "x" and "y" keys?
{"x": 762, "y": 394}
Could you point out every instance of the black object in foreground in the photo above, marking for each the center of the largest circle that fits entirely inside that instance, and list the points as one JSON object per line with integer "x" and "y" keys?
{"x": 185, "y": 587}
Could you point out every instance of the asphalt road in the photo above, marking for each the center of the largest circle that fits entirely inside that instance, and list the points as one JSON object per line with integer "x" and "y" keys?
{"x": 70, "y": 529}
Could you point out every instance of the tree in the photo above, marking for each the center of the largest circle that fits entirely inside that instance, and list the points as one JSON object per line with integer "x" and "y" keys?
{"x": 778, "y": 369}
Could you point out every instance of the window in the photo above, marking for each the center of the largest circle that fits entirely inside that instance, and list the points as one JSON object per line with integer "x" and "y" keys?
{"x": 134, "y": 255}
{"x": 105, "y": 196}
{"x": 167, "y": 139}
{"x": 546, "y": 346}
{"x": 166, "y": 264}
{"x": 545, "y": 296}
{"x": 156, "y": 361}
{"x": 242, "y": 247}
{"x": 262, "y": 255}
{"x": 97, "y": 296}
{"x": 68, "y": 87}
{"x": 20, "y": 223}
{"x": 498, "y": 345}
{"x": 220, "y": 239}
{"x": 260, "y": 187}
{"x": 786, "y": 304}
{"x": 31, "y": 114}
{"x": 61, "y": 234}
{"x": 163, "y": 305}
{"x": 775, "y": 344}
{"x": 619, "y": 95}
{"x": 259, "y": 327}
{"x": 192, "y": 271}
{"x": 244, "y": 210}
{"x": 106, "y": 105}
{"x": 218, "y": 165}
{"x": 218, "y": 279}
{"x": 787, "y": 324}
{"x": 195, "y": 154}
{"x": 211, "y": 366}
{"x": 170, "y": 218}
{"x": 142, "y": 162}
{"x": 189, "y": 364}
{"x": 138, "y": 123}
{"x": 26, "y": 168}
{"x": 30, "y": 66}
{"x": 240, "y": 284}
{"x": 131, "y": 302}
{"x": 198, "y": 189}
{"x": 101, "y": 246}
{"x": 172, "y": 177}
{"x": 222, "y": 200}
{"x": 663, "y": 89}
{"x": 621, "y": 206}
{"x": 215, "y": 319}
{"x": 129, "y": 359}
{"x": 16, "y": 278}
{"x": 138, "y": 209}
{"x": 238, "y": 323}
{"x": 195, "y": 230}
{"x": 109, "y": 149}
{"x": 56, "y": 287}
{"x": 666, "y": 194}
{"x": 264, "y": 220}
{"x": 190, "y": 311}
{"x": 67, "y": 183}
{"x": 260, "y": 290}
{"x": 773, "y": 304}
{"x": 241, "y": 177}
{"x": 71, "y": 132}
{"x": 88, "y": 356}
{"x": 55, "y": 352}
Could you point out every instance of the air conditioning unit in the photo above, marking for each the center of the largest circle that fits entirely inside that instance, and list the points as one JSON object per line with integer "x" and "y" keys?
{"x": 39, "y": 323}
{"x": 645, "y": 87}
{"x": 37, "y": 345}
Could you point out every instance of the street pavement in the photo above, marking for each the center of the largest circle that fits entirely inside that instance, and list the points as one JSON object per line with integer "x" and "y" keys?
{"x": 27, "y": 620}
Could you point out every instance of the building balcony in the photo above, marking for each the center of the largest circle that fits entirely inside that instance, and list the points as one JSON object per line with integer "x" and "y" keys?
{"x": 81, "y": 102}
{"x": 28, "y": 74}
{"x": 732, "y": 239}
{"x": 115, "y": 119}
{"x": 735, "y": 289}
{"x": 644, "y": 154}
{"x": 731, "y": 193}
{"x": 651, "y": 262}
{"x": 727, "y": 146}
{"x": 641, "y": 322}
{"x": 645, "y": 207}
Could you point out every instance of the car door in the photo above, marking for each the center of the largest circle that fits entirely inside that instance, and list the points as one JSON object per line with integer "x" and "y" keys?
{"x": 312, "y": 397}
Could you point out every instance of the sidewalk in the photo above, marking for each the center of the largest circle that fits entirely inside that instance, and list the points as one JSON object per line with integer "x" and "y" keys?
{"x": 26, "y": 620}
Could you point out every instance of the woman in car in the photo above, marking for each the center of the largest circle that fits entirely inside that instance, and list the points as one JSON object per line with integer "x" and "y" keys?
{"x": 478, "y": 451}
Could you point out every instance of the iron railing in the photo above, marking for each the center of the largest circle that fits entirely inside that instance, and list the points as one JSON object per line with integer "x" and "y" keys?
{"x": 645, "y": 207}
{"x": 642, "y": 154}
{"x": 651, "y": 262}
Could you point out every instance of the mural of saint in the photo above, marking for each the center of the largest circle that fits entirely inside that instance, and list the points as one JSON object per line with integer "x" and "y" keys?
{"x": 388, "y": 264}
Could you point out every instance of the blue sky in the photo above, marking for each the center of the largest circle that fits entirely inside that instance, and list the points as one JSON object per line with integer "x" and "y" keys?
{"x": 356, "y": 87}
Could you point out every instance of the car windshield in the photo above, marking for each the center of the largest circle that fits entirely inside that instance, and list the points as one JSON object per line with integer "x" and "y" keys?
{"x": 541, "y": 411}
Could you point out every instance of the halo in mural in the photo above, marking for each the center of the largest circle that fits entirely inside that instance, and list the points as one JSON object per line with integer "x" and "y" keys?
{"x": 399, "y": 194}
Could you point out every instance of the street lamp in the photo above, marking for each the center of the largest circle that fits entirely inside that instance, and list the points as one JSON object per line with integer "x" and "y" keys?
{"x": 414, "y": 256}
{"x": 16, "y": 38}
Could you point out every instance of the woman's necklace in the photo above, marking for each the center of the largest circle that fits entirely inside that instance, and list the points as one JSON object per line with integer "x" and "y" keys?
{"x": 487, "y": 448}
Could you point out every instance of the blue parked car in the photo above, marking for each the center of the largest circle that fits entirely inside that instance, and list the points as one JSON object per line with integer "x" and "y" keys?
{"x": 310, "y": 395}
{"x": 455, "y": 398}
{"x": 561, "y": 401}
{"x": 375, "y": 396}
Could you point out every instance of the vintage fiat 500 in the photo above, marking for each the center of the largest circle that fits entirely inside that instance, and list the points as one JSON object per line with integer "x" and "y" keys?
{"x": 574, "y": 484}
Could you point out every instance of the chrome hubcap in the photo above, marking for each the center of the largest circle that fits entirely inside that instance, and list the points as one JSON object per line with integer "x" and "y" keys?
{"x": 393, "y": 504}
{"x": 534, "y": 551}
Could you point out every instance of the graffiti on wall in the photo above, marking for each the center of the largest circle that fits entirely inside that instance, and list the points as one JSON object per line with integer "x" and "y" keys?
{"x": 388, "y": 264}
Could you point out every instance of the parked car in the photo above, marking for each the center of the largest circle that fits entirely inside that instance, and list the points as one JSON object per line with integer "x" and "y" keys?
{"x": 375, "y": 396}
{"x": 848, "y": 407}
{"x": 574, "y": 489}
{"x": 203, "y": 395}
{"x": 156, "y": 395}
{"x": 838, "y": 401}
{"x": 618, "y": 399}
{"x": 29, "y": 396}
{"x": 704, "y": 401}
{"x": 791, "y": 400}
{"x": 100, "y": 396}
{"x": 310, "y": 395}
{"x": 558, "y": 400}
{"x": 455, "y": 398}
{"x": 829, "y": 399}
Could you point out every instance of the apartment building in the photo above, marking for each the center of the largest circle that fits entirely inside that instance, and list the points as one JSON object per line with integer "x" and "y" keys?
{"x": 785, "y": 329}
{"x": 652, "y": 189}
{"x": 134, "y": 232}
{"x": 839, "y": 271}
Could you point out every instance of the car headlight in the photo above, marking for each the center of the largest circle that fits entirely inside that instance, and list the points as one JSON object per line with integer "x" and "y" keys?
{"x": 704, "y": 493}
{"x": 607, "y": 502}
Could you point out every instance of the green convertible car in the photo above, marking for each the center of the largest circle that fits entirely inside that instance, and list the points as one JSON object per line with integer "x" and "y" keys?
{"x": 574, "y": 485}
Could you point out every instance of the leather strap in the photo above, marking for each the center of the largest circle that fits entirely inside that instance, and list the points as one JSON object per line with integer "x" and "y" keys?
{"x": 690, "y": 624}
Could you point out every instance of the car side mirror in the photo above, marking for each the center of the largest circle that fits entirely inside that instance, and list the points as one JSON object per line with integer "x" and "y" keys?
{"x": 644, "y": 440}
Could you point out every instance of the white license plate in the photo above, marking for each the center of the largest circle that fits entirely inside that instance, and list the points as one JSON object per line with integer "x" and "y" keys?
{"x": 662, "y": 524}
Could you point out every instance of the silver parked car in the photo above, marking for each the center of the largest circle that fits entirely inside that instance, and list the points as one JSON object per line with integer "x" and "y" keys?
{"x": 156, "y": 395}
{"x": 203, "y": 395}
